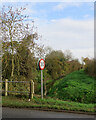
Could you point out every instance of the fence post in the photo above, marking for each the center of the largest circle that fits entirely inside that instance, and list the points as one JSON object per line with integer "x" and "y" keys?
{"x": 31, "y": 89}
{"x": 6, "y": 87}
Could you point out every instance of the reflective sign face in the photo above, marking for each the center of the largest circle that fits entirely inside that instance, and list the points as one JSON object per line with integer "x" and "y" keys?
{"x": 42, "y": 64}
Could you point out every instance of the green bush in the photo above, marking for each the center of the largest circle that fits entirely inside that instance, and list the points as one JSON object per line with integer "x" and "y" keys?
{"x": 76, "y": 86}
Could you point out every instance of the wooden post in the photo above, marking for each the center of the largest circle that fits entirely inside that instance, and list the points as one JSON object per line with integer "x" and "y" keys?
{"x": 6, "y": 87}
{"x": 31, "y": 89}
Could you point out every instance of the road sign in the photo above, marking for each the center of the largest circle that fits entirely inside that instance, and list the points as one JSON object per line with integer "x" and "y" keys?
{"x": 42, "y": 64}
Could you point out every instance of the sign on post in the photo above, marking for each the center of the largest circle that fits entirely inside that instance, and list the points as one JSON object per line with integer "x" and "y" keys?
{"x": 42, "y": 66}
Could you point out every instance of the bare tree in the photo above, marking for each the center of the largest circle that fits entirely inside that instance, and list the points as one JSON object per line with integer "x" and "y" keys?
{"x": 68, "y": 55}
{"x": 14, "y": 28}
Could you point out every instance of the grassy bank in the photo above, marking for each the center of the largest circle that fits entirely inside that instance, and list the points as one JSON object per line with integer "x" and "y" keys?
{"x": 76, "y": 86}
{"x": 47, "y": 103}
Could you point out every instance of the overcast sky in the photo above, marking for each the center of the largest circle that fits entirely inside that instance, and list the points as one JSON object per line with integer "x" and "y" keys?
{"x": 63, "y": 25}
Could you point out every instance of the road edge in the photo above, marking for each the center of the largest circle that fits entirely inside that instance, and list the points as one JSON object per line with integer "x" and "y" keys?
{"x": 54, "y": 110}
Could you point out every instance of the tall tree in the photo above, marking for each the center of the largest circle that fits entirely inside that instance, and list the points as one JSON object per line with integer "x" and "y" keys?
{"x": 14, "y": 29}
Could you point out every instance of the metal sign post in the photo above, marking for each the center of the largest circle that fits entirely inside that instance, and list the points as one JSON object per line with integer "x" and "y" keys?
{"x": 42, "y": 84}
{"x": 42, "y": 66}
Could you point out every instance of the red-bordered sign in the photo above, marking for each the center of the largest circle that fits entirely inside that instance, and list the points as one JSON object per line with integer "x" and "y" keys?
{"x": 42, "y": 64}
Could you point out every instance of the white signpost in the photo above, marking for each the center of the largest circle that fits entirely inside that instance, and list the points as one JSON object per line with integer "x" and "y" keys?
{"x": 42, "y": 66}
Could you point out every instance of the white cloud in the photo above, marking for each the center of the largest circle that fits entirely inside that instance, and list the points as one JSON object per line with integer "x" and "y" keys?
{"x": 76, "y": 35}
{"x": 86, "y": 16}
{"x": 87, "y": 52}
{"x": 63, "y": 5}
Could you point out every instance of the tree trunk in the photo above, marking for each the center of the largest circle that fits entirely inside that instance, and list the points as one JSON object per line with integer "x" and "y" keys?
{"x": 12, "y": 72}
{"x": 18, "y": 67}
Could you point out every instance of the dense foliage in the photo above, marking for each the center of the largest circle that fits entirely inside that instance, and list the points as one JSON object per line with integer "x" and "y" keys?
{"x": 58, "y": 65}
{"x": 77, "y": 86}
{"x": 90, "y": 66}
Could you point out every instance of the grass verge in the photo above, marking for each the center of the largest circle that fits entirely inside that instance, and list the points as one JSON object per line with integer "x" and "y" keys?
{"x": 46, "y": 103}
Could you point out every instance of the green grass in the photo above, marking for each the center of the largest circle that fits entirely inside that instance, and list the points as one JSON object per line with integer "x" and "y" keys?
{"x": 46, "y": 103}
{"x": 77, "y": 86}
